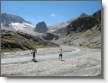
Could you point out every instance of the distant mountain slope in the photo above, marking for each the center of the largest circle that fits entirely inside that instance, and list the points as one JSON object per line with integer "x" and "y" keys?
{"x": 15, "y": 23}
{"x": 12, "y": 41}
{"x": 83, "y": 31}
{"x": 81, "y": 24}
{"x": 18, "y": 33}
{"x": 84, "y": 23}
{"x": 7, "y": 19}
{"x": 59, "y": 28}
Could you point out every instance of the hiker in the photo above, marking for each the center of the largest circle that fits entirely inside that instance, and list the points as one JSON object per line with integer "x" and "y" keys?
{"x": 34, "y": 51}
{"x": 60, "y": 54}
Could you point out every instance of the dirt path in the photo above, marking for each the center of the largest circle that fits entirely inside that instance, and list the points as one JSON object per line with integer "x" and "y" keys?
{"x": 83, "y": 62}
{"x": 46, "y": 56}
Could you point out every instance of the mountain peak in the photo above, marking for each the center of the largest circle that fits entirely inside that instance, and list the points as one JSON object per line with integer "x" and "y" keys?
{"x": 7, "y": 19}
{"x": 83, "y": 15}
{"x": 41, "y": 27}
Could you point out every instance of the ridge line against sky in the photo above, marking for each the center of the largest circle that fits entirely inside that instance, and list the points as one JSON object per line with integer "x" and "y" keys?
{"x": 52, "y": 12}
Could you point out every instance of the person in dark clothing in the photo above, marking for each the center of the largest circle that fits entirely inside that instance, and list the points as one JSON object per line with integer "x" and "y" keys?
{"x": 34, "y": 51}
{"x": 60, "y": 54}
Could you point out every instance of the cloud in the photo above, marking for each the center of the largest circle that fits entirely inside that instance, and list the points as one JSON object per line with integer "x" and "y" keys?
{"x": 52, "y": 15}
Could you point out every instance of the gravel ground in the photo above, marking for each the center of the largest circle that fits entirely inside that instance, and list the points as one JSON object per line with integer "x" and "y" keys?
{"x": 86, "y": 63}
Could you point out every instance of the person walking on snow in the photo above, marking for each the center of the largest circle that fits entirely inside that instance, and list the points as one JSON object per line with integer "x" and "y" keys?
{"x": 60, "y": 54}
{"x": 34, "y": 51}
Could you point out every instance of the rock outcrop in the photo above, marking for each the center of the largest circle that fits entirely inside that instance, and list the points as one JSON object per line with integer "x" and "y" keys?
{"x": 41, "y": 27}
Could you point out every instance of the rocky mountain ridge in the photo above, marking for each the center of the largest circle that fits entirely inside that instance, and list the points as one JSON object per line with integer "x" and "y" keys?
{"x": 83, "y": 31}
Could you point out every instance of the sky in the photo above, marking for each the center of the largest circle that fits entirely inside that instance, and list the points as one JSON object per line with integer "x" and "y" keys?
{"x": 52, "y": 12}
